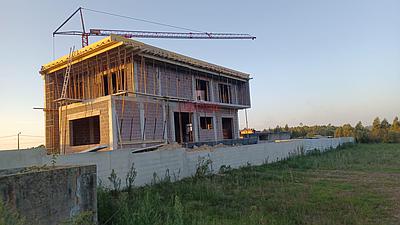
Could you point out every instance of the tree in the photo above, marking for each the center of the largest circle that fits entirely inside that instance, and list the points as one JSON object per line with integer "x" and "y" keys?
{"x": 394, "y": 131}
{"x": 347, "y": 130}
{"x": 277, "y": 129}
{"x": 384, "y": 132}
{"x": 396, "y": 124}
{"x": 339, "y": 132}
{"x": 385, "y": 124}
{"x": 361, "y": 134}
{"x": 286, "y": 128}
{"x": 376, "y": 130}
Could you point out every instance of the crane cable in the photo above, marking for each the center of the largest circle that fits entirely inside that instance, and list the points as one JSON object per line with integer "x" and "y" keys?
{"x": 141, "y": 20}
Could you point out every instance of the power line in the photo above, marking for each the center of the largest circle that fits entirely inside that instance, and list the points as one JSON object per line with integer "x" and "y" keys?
{"x": 8, "y": 136}
{"x": 142, "y": 20}
{"x": 22, "y": 135}
{"x": 36, "y": 136}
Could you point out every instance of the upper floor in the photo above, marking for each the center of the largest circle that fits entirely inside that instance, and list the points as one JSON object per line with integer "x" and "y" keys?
{"x": 116, "y": 65}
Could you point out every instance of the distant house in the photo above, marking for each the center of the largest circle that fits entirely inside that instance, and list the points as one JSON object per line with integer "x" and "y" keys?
{"x": 126, "y": 94}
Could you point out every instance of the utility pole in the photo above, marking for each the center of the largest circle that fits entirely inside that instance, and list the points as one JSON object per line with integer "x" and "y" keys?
{"x": 18, "y": 138}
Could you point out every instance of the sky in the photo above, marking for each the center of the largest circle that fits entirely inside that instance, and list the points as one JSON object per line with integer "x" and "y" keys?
{"x": 313, "y": 62}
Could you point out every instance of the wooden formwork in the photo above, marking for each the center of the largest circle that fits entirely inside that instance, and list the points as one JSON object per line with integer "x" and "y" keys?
{"x": 104, "y": 74}
{"x": 127, "y": 70}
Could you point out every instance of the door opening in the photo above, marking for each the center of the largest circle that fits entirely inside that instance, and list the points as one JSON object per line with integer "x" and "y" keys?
{"x": 227, "y": 128}
{"x": 183, "y": 127}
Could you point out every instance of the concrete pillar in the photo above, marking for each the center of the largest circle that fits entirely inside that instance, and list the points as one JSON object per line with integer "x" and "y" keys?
{"x": 136, "y": 73}
{"x": 194, "y": 88}
{"x": 113, "y": 132}
{"x": 212, "y": 95}
{"x": 237, "y": 129}
{"x": 158, "y": 81}
{"x": 165, "y": 131}
{"x": 215, "y": 126}
{"x": 195, "y": 126}
{"x": 141, "y": 114}
{"x": 236, "y": 95}
{"x": 171, "y": 121}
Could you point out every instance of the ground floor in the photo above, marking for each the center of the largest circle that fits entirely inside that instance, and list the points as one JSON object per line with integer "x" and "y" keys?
{"x": 113, "y": 122}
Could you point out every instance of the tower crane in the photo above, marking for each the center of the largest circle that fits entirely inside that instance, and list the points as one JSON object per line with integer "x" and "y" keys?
{"x": 84, "y": 33}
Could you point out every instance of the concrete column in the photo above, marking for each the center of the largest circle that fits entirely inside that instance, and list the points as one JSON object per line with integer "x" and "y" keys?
{"x": 171, "y": 121}
{"x": 164, "y": 124}
{"x": 195, "y": 126}
{"x": 212, "y": 96}
{"x": 113, "y": 131}
{"x": 136, "y": 73}
{"x": 141, "y": 114}
{"x": 215, "y": 126}
{"x": 236, "y": 95}
{"x": 159, "y": 81}
{"x": 237, "y": 130}
{"x": 194, "y": 88}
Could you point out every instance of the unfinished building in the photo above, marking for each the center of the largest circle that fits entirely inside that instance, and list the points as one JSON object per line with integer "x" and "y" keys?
{"x": 122, "y": 93}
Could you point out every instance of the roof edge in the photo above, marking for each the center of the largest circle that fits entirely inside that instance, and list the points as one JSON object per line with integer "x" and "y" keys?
{"x": 114, "y": 41}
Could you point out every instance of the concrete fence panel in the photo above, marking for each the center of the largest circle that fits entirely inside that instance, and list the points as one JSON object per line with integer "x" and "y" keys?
{"x": 177, "y": 163}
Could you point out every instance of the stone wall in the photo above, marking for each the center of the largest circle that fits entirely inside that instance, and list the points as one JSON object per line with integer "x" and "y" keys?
{"x": 50, "y": 195}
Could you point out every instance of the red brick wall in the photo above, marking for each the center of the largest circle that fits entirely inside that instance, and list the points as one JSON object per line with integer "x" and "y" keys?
{"x": 129, "y": 119}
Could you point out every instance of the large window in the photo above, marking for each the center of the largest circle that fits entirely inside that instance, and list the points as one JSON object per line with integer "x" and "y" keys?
{"x": 85, "y": 131}
{"x": 206, "y": 123}
{"x": 114, "y": 82}
{"x": 224, "y": 93}
{"x": 202, "y": 90}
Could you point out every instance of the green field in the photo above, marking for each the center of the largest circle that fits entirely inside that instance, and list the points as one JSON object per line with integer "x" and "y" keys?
{"x": 354, "y": 185}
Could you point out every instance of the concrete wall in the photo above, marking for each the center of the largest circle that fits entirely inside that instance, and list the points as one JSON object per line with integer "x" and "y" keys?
{"x": 179, "y": 162}
{"x": 52, "y": 195}
{"x": 98, "y": 107}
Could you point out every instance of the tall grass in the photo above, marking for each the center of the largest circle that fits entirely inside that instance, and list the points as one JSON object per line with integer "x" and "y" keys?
{"x": 293, "y": 191}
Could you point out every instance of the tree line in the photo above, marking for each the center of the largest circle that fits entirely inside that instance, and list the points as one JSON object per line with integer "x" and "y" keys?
{"x": 378, "y": 132}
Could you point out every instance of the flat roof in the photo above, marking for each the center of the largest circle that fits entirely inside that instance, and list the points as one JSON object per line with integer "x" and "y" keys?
{"x": 146, "y": 50}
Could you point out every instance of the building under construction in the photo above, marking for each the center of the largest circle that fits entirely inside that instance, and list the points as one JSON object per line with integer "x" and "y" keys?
{"x": 121, "y": 93}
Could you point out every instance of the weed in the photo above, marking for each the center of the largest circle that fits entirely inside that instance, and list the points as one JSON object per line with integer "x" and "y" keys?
{"x": 204, "y": 167}
{"x": 53, "y": 160}
{"x": 83, "y": 218}
{"x": 115, "y": 181}
{"x": 130, "y": 178}
{"x": 224, "y": 169}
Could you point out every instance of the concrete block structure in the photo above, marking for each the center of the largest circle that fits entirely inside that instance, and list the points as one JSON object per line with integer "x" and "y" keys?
{"x": 50, "y": 195}
{"x": 122, "y": 93}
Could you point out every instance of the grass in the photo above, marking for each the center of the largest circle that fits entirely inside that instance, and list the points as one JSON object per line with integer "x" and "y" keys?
{"x": 354, "y": 185}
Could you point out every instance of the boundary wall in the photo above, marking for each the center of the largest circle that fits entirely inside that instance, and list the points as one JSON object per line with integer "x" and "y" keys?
{"x": 178, "y": 163}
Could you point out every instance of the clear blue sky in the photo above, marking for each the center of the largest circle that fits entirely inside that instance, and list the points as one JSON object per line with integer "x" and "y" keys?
{"x": 314, "y": 62}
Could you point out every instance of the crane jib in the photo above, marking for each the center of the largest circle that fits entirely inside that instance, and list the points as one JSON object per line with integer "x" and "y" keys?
{"x": 142, "y": 34}
{"x": 178, "y": 35}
